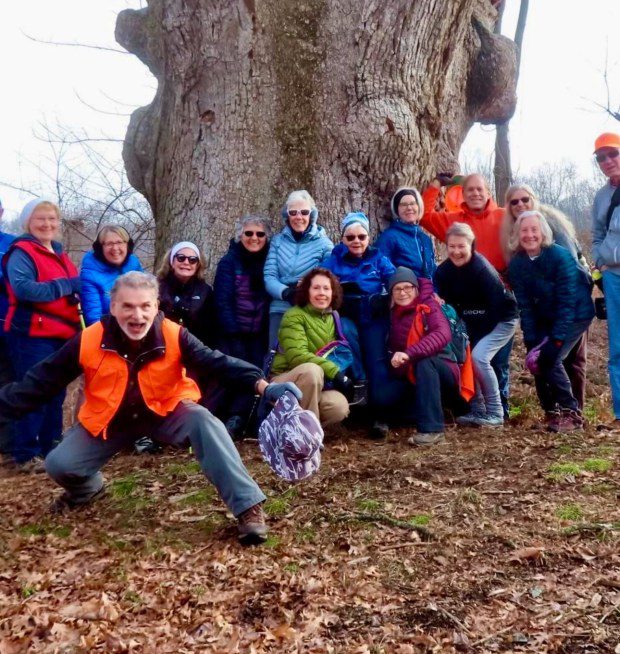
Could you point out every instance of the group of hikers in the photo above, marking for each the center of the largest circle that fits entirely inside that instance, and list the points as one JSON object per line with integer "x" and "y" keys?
{"x": 379, "y": 327}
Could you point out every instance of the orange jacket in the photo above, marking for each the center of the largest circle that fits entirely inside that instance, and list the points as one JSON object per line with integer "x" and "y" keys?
{"x": 163, "y": 381}
{"x": 466, "y": 380}
{"x": 486, "y": 226}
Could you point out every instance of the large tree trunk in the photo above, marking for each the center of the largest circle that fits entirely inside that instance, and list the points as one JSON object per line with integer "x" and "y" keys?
{"x": 346, "y": 98}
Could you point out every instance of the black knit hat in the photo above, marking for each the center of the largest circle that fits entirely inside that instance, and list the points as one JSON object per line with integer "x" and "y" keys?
{"x": 401, "y": 275}
{"x": 398, "y": 196}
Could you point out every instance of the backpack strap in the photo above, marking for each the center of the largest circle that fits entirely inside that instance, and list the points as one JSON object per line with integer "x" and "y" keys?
{"x": 615, "y": 201}
{"x": 339, "y": 330}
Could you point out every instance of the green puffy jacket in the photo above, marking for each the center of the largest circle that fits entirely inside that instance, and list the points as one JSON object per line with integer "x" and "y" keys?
{"x": 303, "y": 331}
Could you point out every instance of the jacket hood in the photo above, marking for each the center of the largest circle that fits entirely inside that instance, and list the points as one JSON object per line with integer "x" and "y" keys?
{"x": 405, "y": 190}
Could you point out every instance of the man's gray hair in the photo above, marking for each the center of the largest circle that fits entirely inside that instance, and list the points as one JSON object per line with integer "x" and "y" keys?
{"x": 545, "y": 230}
{"x": 242, "y": 223}
{"x": 136, "y": 280}
{"x": 461, "y": 229}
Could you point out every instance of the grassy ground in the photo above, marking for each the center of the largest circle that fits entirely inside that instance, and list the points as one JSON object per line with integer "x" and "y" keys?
{"x": 498, "y": 541}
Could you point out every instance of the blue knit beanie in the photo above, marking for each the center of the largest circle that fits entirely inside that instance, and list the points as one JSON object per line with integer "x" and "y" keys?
{"x": 353, "y": 218}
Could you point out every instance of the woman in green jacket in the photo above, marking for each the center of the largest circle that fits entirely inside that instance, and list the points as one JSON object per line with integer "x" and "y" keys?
{"x": 305, "y": 329}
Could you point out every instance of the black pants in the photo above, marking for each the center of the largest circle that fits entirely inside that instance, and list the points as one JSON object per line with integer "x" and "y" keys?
{"x": 6, "y": 376}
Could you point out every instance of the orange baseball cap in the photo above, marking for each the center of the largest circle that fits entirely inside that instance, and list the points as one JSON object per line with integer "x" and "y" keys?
{"x": 607, "y": 140}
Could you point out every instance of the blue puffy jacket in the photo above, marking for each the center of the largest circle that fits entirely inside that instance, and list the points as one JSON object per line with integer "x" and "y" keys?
{"x": 405, "y": 244}
{"x": 289, "y": 260}
{"x": 371, "y": 272}
{"x": 98, "y": 278}
{"x": 5, "y": 242}
{"x": 552, "y": 292}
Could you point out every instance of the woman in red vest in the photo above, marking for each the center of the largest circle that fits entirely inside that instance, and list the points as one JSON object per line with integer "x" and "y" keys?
{"x": 42, "y": 285}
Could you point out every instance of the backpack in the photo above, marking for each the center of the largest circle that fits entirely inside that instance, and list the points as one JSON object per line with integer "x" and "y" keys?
{"x": 460, "y": 338}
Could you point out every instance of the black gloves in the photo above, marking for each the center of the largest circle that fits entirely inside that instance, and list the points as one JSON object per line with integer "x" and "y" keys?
{"x": 343, "y": 384}
{"x": 288, "y": 294}
{"x": 549, "y": 353}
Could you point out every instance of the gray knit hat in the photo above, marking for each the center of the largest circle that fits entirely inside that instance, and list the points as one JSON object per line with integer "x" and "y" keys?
{"x": 401, "y": 275}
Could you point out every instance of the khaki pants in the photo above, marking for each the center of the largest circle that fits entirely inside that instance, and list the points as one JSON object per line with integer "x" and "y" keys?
{"x": 330, "y": 407}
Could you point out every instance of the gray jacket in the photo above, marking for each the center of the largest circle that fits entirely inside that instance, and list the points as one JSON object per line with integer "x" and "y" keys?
{"x": 605, "y": 242}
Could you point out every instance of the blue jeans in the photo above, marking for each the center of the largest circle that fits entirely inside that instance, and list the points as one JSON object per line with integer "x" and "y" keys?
{"x": 553, "y": 384}
{"x": 611, "y": 286}
{"x": 501, "y": 366}
{"x": 40, "y": 430}
{"x": 373, "y": 336}
{"x": 75, "y": 464}
{"x": 487, "y": 399}
{"x": 422, "y": 403}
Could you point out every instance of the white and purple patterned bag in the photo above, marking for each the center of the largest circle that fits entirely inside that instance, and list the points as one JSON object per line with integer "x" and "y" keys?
{"x": 291, "y": 439}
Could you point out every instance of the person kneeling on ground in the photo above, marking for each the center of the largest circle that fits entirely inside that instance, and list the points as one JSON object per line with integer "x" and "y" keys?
{"x": 426, "y": 374}
{"x": 134, "y": 363}
{"x": 305, "y": 330}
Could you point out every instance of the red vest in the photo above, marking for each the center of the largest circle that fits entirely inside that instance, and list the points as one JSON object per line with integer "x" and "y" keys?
{"x": 56, "y": 319}
{"x": 163, "y": 381}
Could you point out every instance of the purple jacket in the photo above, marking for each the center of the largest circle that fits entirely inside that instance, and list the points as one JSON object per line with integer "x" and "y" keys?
{"x": 240, "y": 294}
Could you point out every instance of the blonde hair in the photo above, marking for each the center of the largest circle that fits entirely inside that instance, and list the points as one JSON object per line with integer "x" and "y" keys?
{"x": 45, "y": 204}
{"x": 559, "y": 223}
{"x": 121, "y": 232}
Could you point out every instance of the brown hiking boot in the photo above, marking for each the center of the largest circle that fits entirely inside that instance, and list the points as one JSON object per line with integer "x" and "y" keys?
{"x": 570, "y": 421}
{"x": 67, "y": 502}
{"x": 251, "y": 526}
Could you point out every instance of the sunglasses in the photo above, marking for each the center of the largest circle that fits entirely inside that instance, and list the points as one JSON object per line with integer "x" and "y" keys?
{"x": 603, "y": 156}
{"x": 298, "y": 212}
{"x": 515, "y": 201}
{"x": 182, "y": 257}
{"x": 249, "y": 234}
{"x": 359, "y": 237}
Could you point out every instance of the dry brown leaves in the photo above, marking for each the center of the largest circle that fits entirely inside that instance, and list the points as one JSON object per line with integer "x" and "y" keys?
{"x": 156, "y": 567}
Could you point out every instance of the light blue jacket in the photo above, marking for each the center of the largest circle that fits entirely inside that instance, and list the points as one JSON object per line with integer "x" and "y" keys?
{"x": 97, "y": 281}
{"x": 289, "y": 260}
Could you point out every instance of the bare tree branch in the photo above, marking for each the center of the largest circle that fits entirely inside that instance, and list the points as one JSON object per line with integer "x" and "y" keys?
{"x": 76, "y": 44}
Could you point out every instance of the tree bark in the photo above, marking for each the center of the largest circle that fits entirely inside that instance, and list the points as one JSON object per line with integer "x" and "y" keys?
{"x": 349, "y": 99}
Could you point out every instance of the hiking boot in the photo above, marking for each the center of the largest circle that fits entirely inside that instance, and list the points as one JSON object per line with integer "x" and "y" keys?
{"x": 552, "y": 421}
{"x": 360, "y": 394}
{"x": 66, "y": 502}
{"x": 570, "y": 420}
{"x": 251, "y": 526}
{"x": 34, "y": 466}
{"x": 426, "y": 439}
{"x": 378, "y": 431}
{"x": 146, "y": 445}
{"x": 234, "y": 427}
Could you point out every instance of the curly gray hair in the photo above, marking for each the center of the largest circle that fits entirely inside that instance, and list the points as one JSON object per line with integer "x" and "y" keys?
{"x": 243, "y": 222}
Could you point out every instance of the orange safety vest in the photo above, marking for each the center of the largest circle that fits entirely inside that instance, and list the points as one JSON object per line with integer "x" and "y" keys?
{"x": 163, "y": 381}
{"x": 466, "y": 381}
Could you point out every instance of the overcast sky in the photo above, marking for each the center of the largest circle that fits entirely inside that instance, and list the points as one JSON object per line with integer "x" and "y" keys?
{"x": 567, "y": 46}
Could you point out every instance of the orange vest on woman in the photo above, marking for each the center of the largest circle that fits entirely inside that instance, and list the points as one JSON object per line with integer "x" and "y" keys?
{"x": 163, "y": 381}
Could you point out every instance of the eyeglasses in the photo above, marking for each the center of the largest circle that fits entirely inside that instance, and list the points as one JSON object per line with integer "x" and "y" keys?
{"x": 603, "y": 156}
{"x": 182, "y": 257}
{"x": 298, "y": 212}
{"x": 112, "y": 244}
{"x": 359, "y": 237}
{"x": 404, "y": 290}
{"x": 515, "y": 201}
{"x": 408, "y": 205}
{"x": 249, "y": 234}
